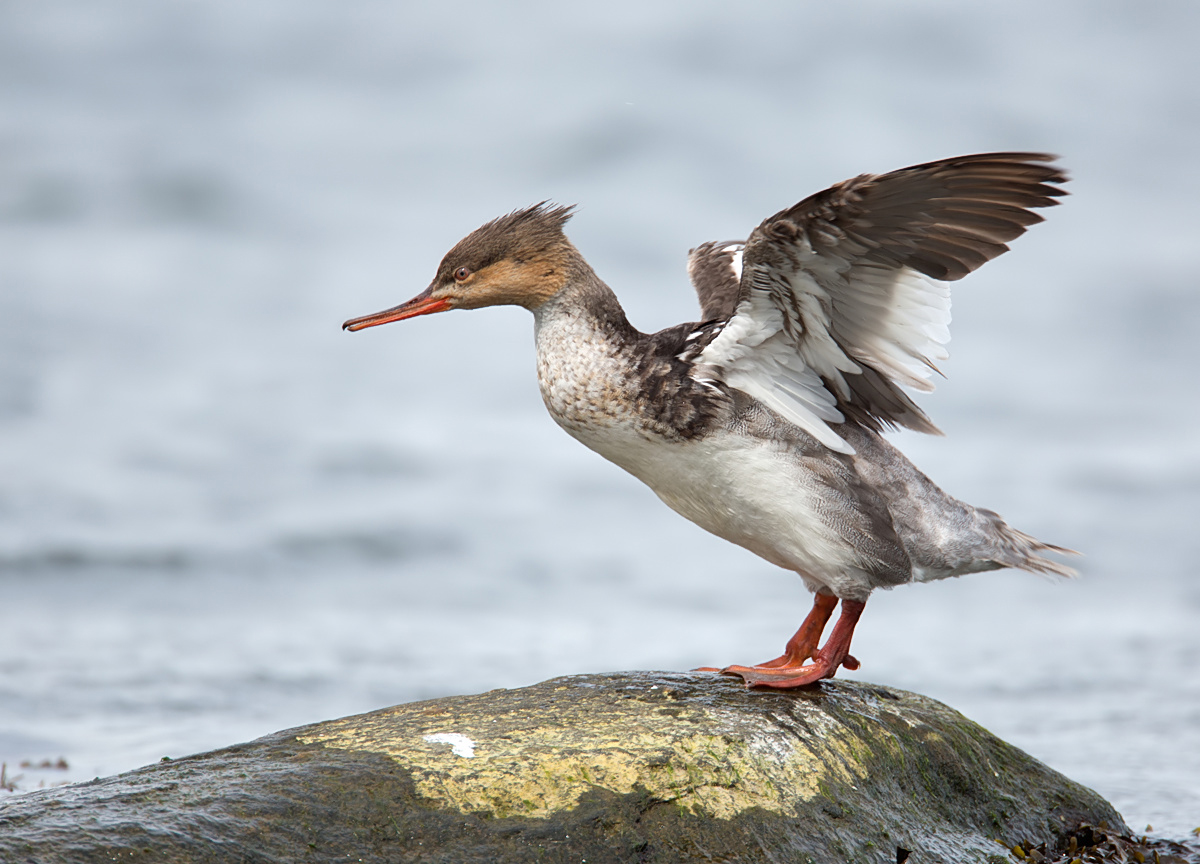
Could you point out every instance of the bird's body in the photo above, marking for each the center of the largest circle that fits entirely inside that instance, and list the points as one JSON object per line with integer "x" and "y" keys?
{"x": 762, "y": 423}
{"x": 847, "y": 523}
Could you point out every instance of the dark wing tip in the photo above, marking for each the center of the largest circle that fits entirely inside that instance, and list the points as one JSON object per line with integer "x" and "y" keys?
{"x": 944, "y": 219}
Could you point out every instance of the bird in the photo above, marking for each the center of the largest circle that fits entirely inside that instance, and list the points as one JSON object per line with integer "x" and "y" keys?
{"x": 764, "y": 422}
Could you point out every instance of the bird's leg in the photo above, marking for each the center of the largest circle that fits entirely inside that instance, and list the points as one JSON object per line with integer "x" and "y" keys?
{"x": 804, "y": 643}
{"x": 793, "y": 672}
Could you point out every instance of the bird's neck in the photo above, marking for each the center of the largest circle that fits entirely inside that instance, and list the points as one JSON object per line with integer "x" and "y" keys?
{"x": 584, "y": 347}
{"x": 585, "y": 300}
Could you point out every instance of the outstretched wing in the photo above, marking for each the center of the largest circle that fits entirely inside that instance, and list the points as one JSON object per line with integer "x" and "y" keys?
{"x": 842, "y": 298}
{"x": 716, "y": 273}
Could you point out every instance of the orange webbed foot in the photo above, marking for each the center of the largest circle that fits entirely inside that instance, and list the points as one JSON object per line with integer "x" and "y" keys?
{"x": 790, "y": 670}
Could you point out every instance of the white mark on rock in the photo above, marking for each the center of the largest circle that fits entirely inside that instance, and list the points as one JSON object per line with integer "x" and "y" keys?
{"x": 460, "y": 745}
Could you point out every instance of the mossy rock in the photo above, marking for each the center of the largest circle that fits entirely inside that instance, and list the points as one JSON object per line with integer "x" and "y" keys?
{"x": 633, "y": 767}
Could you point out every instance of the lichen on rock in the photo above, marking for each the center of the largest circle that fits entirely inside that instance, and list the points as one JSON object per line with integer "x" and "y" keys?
{"x": 532, "y": 763}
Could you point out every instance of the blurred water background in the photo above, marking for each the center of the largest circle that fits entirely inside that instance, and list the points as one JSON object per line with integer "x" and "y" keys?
{"x": 221, "y": 516}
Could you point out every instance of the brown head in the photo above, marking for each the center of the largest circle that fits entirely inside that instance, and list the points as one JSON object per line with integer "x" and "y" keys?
{"x": 522, "y": 259}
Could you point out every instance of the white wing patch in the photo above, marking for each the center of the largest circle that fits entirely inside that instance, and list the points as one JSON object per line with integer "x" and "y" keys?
{"x": 897, "y": 320}
{"x": 793, "y": 338}
{"x": 754, "y": 354}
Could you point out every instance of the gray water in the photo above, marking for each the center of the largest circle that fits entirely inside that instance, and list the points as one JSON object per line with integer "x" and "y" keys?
{"x": 221, "y": 516}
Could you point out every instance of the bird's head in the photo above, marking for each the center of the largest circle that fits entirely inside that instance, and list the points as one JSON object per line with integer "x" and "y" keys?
{"x": 522, "y": 259}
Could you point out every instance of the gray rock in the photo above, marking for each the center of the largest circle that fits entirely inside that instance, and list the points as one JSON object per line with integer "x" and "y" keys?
{"x": 645, "y": 767}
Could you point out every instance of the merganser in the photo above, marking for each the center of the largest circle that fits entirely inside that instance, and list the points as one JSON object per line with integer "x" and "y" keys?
{"x": 762, "y": 423}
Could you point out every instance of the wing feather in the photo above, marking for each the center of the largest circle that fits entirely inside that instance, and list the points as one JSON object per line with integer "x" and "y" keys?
{"x": 842, "y": 299}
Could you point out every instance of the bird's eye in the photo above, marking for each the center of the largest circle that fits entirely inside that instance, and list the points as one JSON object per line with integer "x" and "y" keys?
{"x": 462, "y": 273}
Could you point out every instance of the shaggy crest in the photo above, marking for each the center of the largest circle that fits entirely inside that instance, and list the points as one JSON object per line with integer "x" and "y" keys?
{"x": 519, "y": 236}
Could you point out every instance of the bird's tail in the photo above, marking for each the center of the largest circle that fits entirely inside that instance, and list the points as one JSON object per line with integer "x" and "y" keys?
{"x": 1018, "y": 549}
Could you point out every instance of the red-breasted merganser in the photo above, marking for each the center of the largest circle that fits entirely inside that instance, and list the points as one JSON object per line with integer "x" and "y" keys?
{"x": 762, "y": 422}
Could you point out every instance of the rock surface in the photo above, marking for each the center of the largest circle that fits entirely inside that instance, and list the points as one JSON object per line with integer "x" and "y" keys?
{"x": 645, "y": 767}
